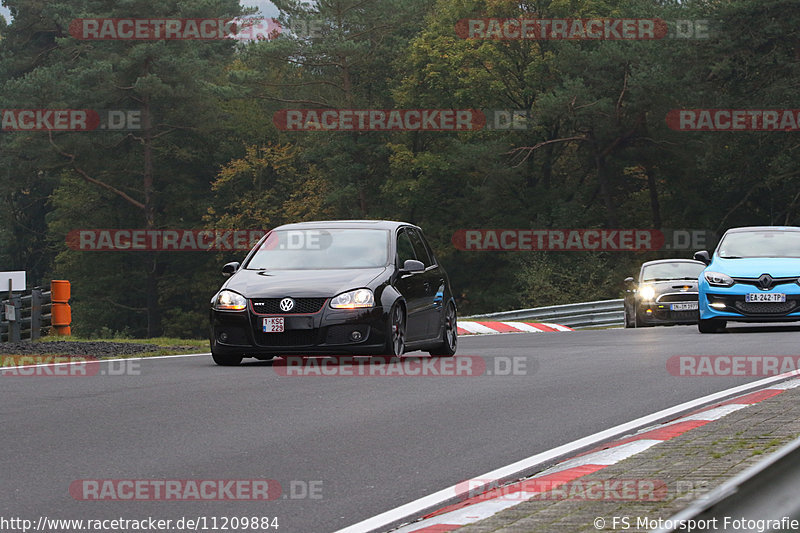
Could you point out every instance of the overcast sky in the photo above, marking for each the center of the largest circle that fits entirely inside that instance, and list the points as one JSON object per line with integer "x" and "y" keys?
{"x": 265, "y": 7}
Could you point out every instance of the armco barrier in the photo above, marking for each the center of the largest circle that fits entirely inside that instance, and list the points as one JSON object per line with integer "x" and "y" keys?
{"x": 602, "y": 313}
{"x": 25, "y": 315}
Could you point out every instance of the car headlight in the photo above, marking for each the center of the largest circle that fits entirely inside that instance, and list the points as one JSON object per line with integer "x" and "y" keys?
{"x": 647, "y": 292}
{"x": 717, "y": 279}
{"x": 230, "y": 301}
{"x": 353, "y": 299}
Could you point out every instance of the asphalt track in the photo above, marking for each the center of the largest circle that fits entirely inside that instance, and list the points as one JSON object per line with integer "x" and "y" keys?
{"x": 362, "y": 444}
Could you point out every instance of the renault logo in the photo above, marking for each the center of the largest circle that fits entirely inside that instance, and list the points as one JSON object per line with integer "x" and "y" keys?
{"x": 286, "y": 305}
{"x": 765, "y": 281}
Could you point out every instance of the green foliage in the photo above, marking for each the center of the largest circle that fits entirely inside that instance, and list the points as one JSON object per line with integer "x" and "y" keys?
{"x": 596, "y": 152}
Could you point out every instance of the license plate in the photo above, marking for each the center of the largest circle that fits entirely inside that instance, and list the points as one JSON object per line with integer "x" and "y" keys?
{"x": 691, "y": 306}
{"x": 765, "y": 297}
{"x": 273, "y": 325}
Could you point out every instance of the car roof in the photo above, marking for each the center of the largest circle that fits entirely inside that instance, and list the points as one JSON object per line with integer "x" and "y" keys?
{"x": 745, "y": 229}
{"x": 646, "y": 263}
{"x": 347, "y": 224}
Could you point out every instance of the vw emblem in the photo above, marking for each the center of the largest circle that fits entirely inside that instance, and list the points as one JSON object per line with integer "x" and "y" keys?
{"x": 286, "y": 305}
{"x": 765, "y": 281}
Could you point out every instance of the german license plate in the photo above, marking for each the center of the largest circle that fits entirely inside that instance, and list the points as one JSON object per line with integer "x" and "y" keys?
{"x": 690, "y": 306}
{"x": 765, "y": 297}
{"x": 273, "y": 325}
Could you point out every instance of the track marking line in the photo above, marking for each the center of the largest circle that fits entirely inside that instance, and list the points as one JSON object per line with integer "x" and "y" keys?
{"x": 451, "y": 516}
{"x": 383, "y": 521}
{"x": 488, "y": 327}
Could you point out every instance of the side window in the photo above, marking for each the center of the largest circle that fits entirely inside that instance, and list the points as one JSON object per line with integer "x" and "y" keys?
{"x": 419, "y": 248}
{"x": 405, "y": 250}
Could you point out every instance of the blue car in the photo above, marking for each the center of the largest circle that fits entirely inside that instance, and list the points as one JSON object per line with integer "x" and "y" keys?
{"x": 754, "y": 276}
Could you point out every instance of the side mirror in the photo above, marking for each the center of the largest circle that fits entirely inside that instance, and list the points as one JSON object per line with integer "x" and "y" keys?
{"x": 703, "y": 257}
{"x": 411, "y": 266}
{"x": 230, "y": 269}
{"x": 629, "y": 284}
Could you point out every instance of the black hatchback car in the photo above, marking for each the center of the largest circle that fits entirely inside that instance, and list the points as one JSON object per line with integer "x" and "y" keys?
{"x": 664, "y": 293}
{"x": 338, "y": 287}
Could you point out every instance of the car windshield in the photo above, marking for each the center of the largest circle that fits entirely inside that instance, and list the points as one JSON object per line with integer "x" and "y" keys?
{"x": 321, "y": 249}
{"x": 768, "y": 243}
{"x": 672, "y": 270}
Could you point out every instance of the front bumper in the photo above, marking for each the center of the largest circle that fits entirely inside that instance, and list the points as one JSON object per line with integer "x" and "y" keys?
{"x": 731, "y": 305}
{"x": 662, "y": 312}
{"x": 327, "y": 332}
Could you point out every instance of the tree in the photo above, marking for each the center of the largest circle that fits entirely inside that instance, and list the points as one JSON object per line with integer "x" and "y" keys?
{"x": 171, "y": 83}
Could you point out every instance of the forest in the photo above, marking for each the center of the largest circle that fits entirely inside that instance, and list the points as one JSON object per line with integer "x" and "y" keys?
{"x": 579, "y": 129}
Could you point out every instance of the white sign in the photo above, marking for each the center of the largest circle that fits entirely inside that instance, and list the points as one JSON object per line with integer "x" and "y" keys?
{"x": 17, "y": 281}
{"x": 11, "y": 315}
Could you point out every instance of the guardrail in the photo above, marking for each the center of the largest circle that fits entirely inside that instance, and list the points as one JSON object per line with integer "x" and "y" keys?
{"x": 765, "y": 491}
{"x": 25, "y": 315}
{"x": 583, "y": 315}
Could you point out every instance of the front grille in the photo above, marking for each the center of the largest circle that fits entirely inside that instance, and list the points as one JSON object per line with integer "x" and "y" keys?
{"x": 675, "y": 316}
{"x": 271, "y": 306}
{"x": 757, "y": 283}
{"x": 765, "y": 308}
{"x": 297, "y": 337}
{"x": 678, "y": 297}
{"x": 683, "y": 315}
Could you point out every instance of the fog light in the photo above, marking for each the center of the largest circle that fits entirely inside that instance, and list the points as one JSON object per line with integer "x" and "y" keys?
{"x": 649, "y": 311}
{"x": 717, "y": 305}
{"x": 223, "y": 337}
{"x": 355, "y": 335}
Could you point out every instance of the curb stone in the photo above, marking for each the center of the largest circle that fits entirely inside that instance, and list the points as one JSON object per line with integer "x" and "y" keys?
{"x": 695, "y": 459}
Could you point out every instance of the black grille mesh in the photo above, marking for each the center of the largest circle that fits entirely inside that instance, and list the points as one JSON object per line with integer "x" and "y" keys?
{"x": 678, "y": 298}
{"x": 766, "y": 308}
{"x": 297, "y": 337}
{"x": 271, "y": 306}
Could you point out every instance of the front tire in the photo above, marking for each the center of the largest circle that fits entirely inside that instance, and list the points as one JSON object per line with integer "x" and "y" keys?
{"x": 711, "y": 325}
{"x": 449, "y": 343}
{"x": 396, "y": 332}
{"x": 225, "y": 359}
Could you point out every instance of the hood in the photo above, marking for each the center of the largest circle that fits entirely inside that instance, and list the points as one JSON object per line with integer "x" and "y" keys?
{"x": 300, "y": 283}
{"x": 753, "y": 267}
{"x": 672, "y": 285}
